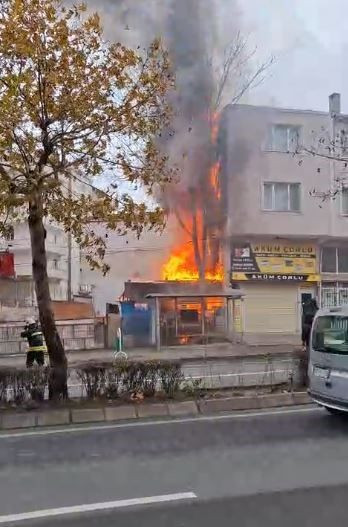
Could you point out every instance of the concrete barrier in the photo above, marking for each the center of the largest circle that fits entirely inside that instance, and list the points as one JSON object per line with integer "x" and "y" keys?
{"x": 182, "y": 408}
{"x": 152, "y": 410}
{"x": 53, "y": 418}
{"x": 18, "y": 420}
{"x": 173, "y": 409}
{"x": 255, "y": 402}
{"x": 117, "y": 413}
{"x": 87, "y": 415}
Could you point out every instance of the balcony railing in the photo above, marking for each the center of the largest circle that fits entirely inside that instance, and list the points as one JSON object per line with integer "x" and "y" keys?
{"x": 334, "y": 296}
{"x": 85, "y": 289}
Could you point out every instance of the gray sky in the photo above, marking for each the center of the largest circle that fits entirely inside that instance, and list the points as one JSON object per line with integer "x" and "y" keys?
{"x": 308, "y": 37}
{"x": 310, "y": 41}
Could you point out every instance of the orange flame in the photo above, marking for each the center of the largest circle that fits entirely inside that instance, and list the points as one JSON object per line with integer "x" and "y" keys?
{"x": 181, "y": 265}
{"x": 214, "y": 123}
{"x": 214, "y": 179}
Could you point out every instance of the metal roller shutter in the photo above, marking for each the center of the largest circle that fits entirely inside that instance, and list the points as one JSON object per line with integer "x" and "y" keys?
{"x": 270, "y": 308}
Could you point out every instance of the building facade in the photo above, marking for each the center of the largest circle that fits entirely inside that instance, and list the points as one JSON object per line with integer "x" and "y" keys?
{"x": 62, "y": 262}
{"x": 129, "y": 258}
{"x": 287, "y": 211}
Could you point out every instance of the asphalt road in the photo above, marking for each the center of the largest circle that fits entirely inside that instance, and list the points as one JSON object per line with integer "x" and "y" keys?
{"x": 318, "y": 507}
{"x": 264, "y": 469}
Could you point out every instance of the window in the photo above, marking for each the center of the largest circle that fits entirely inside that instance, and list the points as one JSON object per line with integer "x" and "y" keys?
{"x": 344, "y": 201}
{"x": 9, "y": 234}
{"x": 342, "y": 259}
{"x": 329, "y": 260}
{"x": 330, "y": 335}
{"x": 284, "y": 137}
{"x": 281, "y": 197}
{"x": 334, "y": 260}
{"x": 55, "y": 264}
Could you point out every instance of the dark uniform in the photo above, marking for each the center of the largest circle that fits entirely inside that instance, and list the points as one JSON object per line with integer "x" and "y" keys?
{"x": 308, "y": 314}
{"x": 309, "y": 310}
{"x": 37, "y": 348}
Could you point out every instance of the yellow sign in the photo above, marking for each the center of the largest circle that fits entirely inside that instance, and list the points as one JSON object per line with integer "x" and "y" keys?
{"x": 274, "y": 261}
{"x": 240, "y": 277}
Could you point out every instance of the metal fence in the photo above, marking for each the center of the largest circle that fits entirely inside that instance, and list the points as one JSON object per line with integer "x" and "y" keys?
{"x": 334, "y": 296}
{"x": 79, "y": 336}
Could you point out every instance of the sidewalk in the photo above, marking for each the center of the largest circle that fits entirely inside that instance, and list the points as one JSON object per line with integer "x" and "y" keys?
{"x": 213, "y": 352}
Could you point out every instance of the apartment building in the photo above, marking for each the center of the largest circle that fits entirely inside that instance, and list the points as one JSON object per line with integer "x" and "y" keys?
{"x": 287, "y": 211}
{"x": 63, "y": 260}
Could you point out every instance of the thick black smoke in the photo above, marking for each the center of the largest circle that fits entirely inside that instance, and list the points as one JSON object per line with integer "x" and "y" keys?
{"x": 186, "y": 27}
{"x": 190, "y": 29}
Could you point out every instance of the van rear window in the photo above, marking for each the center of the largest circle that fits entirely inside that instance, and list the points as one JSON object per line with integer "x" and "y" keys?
{"x": 330, "y": 334}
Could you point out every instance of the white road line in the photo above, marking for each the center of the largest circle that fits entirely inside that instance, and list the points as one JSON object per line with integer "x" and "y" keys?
{"x": 160, "y": 422}
{"x": 93, "y": 507}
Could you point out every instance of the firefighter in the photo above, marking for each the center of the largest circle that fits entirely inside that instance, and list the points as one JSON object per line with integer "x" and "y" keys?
{"x": 308, "y": 313}
{"x": 309, "y": 310}
{"x": 37, "y": 348}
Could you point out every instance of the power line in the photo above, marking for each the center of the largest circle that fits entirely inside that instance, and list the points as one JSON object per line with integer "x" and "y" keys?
{"x": 108, "y": 253}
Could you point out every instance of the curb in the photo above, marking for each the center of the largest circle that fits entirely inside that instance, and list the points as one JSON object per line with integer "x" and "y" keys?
{"x": 172, "y": 409}
{"x": 230, "y": 404}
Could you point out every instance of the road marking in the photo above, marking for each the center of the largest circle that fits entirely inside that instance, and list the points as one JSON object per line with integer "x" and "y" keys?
{"x": 161, "y": 422}
{"x": 93, "y": 507}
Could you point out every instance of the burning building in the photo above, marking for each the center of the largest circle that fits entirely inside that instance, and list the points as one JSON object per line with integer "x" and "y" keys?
{"x": 176, "y": 313}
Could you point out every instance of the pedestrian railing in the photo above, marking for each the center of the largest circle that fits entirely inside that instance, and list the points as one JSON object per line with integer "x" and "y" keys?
{"x": 79, "y": 336}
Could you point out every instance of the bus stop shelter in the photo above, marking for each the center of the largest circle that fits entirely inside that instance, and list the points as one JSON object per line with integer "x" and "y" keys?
{"x": 184, "y": 318}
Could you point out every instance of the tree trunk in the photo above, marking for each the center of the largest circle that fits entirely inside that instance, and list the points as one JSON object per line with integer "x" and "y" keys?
{"x": 195, "y": 236}
{"x": 58, "y": 362}
{"x": 204, "y": 246}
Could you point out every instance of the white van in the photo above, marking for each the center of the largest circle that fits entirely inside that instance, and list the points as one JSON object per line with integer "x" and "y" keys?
{"x": 328, "y": 359}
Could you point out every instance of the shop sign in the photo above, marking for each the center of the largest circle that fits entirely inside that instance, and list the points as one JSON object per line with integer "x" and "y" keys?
{"x": 274, "y": 262}
{"x": 275, "y": 277}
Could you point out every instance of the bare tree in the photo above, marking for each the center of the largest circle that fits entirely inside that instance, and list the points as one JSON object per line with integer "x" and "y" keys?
{"x": 331, "y": 146}
{"x": 235, "y": 71}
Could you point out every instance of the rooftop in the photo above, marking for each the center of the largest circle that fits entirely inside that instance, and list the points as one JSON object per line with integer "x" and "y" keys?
{"x": 140, "y": 291}
{"x": 225, "y": 294}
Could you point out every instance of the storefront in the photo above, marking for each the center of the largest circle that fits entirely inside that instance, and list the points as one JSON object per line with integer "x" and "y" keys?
{"x": 276, "y": 279}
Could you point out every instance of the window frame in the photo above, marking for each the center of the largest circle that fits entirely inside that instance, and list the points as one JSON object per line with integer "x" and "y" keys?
{"x": 10, "y": 235}
{"x": 336, "y": 260}
{"x": 289, "y": 184}
{"x": 343, "y": 213}
{"x": 337, "y": 272}
{"x": 288, "y": 126}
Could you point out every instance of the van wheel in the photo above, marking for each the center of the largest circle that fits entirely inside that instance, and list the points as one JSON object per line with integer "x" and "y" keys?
{"x": 335, "y": 411}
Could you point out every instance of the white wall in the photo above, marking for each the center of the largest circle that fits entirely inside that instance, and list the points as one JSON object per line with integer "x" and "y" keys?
{"x": 57, "y": 258}
{"x": 250, "y": 163}
{"x": 129, "y": 259}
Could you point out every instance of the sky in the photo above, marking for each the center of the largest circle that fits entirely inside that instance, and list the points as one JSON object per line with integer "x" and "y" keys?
{"x": 309, "y": 39}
